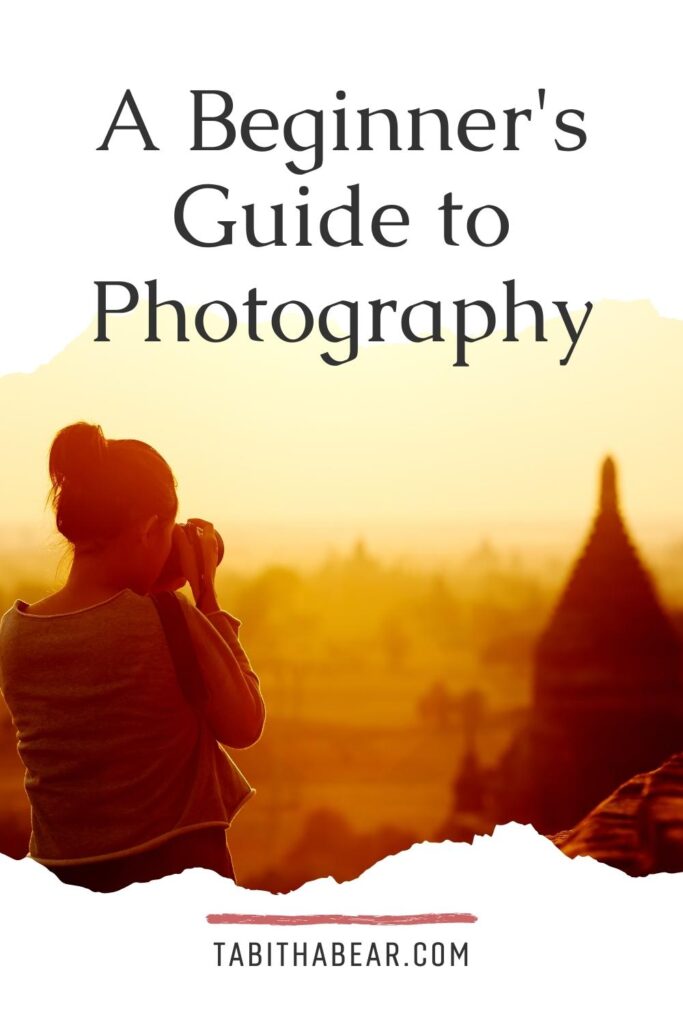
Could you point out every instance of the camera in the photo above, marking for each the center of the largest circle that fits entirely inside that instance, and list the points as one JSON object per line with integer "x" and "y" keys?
{"x": 173, "y": 570}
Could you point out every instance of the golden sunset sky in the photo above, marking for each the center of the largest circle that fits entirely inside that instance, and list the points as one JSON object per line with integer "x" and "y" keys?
{"x": 399, "y": 447}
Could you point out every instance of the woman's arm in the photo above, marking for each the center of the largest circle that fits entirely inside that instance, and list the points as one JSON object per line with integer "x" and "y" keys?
{"x": 234, "y": 709}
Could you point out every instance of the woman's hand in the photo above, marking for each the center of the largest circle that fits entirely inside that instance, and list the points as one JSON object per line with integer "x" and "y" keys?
{"x": 199, "y": 558}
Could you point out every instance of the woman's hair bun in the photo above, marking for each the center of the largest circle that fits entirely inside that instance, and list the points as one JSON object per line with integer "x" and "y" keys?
{"x": 100, "y": 486}
{"x": 77, "y": 454}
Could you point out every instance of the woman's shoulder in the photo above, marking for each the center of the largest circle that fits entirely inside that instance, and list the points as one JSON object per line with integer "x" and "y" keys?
{"x": 12, "y": 620}
{"x": 125, "y": 620}
{"x": 7, "y": 623}
{"x": 54, "y": 619}
{"x": 54, "y": 607}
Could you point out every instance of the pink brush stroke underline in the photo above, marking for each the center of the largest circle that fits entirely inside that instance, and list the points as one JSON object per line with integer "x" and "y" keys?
{"x": 297, "y": 919}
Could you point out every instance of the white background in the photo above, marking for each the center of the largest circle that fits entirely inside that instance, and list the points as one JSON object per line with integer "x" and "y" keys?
{"x": 598, "y": 223}
{"x": 556, "y": 939}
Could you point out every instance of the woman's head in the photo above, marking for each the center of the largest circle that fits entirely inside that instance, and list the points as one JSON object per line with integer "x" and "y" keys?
{"x": 113, "y": 498}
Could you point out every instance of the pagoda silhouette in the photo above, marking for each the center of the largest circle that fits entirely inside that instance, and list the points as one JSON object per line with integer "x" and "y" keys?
{"x": 607, "y": 687}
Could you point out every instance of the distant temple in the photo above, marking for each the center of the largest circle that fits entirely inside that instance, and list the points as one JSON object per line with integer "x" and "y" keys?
{"x": 607, "y": 687}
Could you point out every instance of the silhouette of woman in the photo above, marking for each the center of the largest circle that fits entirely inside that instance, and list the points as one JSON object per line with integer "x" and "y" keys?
{"x": 127, "y": 779}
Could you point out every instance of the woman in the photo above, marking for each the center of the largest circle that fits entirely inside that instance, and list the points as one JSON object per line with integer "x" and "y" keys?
{"x": 127, "y": 779}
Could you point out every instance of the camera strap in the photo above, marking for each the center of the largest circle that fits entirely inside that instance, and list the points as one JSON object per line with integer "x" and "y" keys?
{"x": 181, "y": 648}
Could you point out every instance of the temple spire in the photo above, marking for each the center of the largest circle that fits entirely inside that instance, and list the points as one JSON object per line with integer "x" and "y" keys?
{"x": 608, "y": 680}
{"x": 609, "y": 501}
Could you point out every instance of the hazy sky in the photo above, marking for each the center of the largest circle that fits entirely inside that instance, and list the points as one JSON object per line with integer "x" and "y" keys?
{"x": 398, "y": 444}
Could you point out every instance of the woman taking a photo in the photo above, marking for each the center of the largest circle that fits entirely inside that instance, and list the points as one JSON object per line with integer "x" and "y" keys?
{"x": 120, "y": 702}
